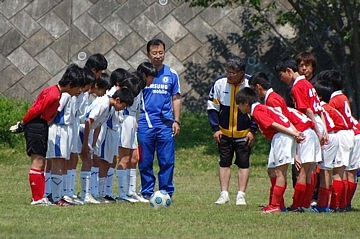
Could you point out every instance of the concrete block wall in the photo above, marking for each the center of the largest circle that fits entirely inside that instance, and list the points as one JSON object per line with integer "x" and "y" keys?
{"x": 39, "y": 38}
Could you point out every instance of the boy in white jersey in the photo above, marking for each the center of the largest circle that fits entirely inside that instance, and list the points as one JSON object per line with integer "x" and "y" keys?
{"x": 78, "y": 109}
{"x": 116, "y": 77}
{"x": 98, "y": 113}
{"x": 98, "y": 89}
{"x": 59, "y": 143}
{"x": 126, "y": 171}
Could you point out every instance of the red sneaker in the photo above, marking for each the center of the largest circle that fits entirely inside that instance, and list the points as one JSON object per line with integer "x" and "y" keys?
{"x": 270, "y": 209}
{"x": 63, "y": 203}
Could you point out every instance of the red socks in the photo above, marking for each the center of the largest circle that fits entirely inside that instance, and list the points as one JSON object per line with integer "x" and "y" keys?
{"x": 336, "y": 193}
{"x": 343, "y": 201}
{"x": 323, "y": 198}
{"x": 351, "y": 192}
{"x": 308, "y": 195}
{"x": 273, "y": 182}
{"x": 37, "y": 184}
{"x": 299, "y": 194}
{"x": 278, "y": 195}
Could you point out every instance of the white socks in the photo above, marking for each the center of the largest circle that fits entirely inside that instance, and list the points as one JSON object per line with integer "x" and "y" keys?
{"x": 85, "y": 182}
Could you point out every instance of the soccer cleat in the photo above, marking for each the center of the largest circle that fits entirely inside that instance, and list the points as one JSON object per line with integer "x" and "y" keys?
{"x": 309, "y": 209}
{"x": 313, "y": 203}
{"x": 127, "y": 199}
{"x": 110, "y": 199}
{"x": 291, "y": 209}
{"x": 270, "y": 209}
{"x": 77, "y": 200}
{"x": 240, "y": 199}
{"x": 49, "y": 197}
{"x": 101, "y": 199}
{"x": 42, "y": 202}
{"x": 63, "y": 203}
{"x": 88, "y": 198}
{"x": 224, "y": 198}
{"x": 321, "y": 209}
{"x": 69, "y": 200}
{"x": 140, "y": 198}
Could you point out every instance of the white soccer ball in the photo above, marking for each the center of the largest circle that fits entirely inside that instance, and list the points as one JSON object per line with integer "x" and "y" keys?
{"x": 160, "y": 199}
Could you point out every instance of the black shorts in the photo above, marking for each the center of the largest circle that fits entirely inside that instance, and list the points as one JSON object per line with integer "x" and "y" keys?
{"x": 229, "y": 146}
{"x": 36, "y": 137}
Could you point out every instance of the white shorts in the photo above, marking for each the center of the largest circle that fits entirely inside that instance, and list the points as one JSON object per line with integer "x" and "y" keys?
{"x": 346, "y": 144}
{"x": 58, "y": 142}
{"x": 354, "y": 162}
{"x": 329, "y": 152}
{"x": 100, "y": 140}
{"x": 75, "y": 137}
{"x": 107, "y": 146}
{"x": 309, "y": 151}
{"x": 128, "y": 133}
{"x": 320, "y": 124}
{"x": 81, "y": 137}
{"x": 282, "y": 150}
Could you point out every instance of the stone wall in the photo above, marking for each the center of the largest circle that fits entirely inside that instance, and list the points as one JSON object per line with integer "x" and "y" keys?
{"x": 39, "y": 38}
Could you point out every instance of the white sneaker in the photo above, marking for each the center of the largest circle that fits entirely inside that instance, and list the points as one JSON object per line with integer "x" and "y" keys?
{"x": 69, "y": 200}
{"x": 224, "y": 198}
{"x": 139, "y": 198}
{"x": 88, "y": 198}
{"x": 101, "y": 199}
{"x": 76, "y": 199}
{"x": 42, "y": 202}
{"x": 129, "y": 199}
{"x": 313, "y": 203}
{"x": 240, "y": 198}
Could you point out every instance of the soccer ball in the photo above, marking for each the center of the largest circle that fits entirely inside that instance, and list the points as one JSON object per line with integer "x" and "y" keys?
{"x": 160, "y": 199}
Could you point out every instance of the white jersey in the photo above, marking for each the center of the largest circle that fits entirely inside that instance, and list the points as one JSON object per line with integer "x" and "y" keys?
{"x": 99, "y": 111}
{"x": 82, "y": 105}
{"x": 65, "y": 114}
{"x": 61, "y": 130}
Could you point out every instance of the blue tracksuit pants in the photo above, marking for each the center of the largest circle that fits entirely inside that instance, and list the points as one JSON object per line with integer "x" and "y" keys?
{"x": 161, "y": 141}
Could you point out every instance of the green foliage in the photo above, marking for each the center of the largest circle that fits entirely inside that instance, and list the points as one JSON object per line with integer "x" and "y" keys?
{"x": 329, "y": 29}
{"x": 11, "y": 111}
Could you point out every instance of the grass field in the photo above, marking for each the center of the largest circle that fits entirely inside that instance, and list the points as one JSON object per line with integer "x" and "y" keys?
{"x": 193, "y": 213}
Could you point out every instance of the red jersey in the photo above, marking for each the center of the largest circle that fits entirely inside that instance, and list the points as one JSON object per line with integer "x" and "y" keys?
{"x": 356, "y": 127}
{"x": 305, "y": 96}
{"x": 340, "y": 102}
{"x": 338, "y": 121}
{"x": 265, "y": 116}
{"x": 299, "y": 120}
{"x": 274, "y": 100}
{"x": 45, "y": 105}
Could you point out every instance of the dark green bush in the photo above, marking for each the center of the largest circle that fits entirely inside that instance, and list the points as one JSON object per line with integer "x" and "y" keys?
{"x": 11, "y": 111}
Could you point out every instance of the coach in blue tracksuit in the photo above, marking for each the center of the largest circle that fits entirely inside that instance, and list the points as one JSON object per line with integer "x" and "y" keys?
{"x": 159, "y": 123}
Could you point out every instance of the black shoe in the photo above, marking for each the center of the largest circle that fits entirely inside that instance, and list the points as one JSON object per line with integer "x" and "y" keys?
{"x": 50, "y": 198}
{"x": 109, "y": 198}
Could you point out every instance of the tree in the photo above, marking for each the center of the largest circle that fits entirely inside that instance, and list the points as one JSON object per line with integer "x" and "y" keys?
{"x": 328, "y": 28}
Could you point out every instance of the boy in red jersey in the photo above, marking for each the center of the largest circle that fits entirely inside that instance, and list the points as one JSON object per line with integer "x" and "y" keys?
{"x": 306, "y": 100}
{"x": 338, "y": 125}
{"x": 305, "y": 97}
{"x": 309, "y": 152}
{"x": 355, "y": 163}
{"x": 339, "y": 101}
{"x": 35, "y": 124}
{"x": 276, "y": 127}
